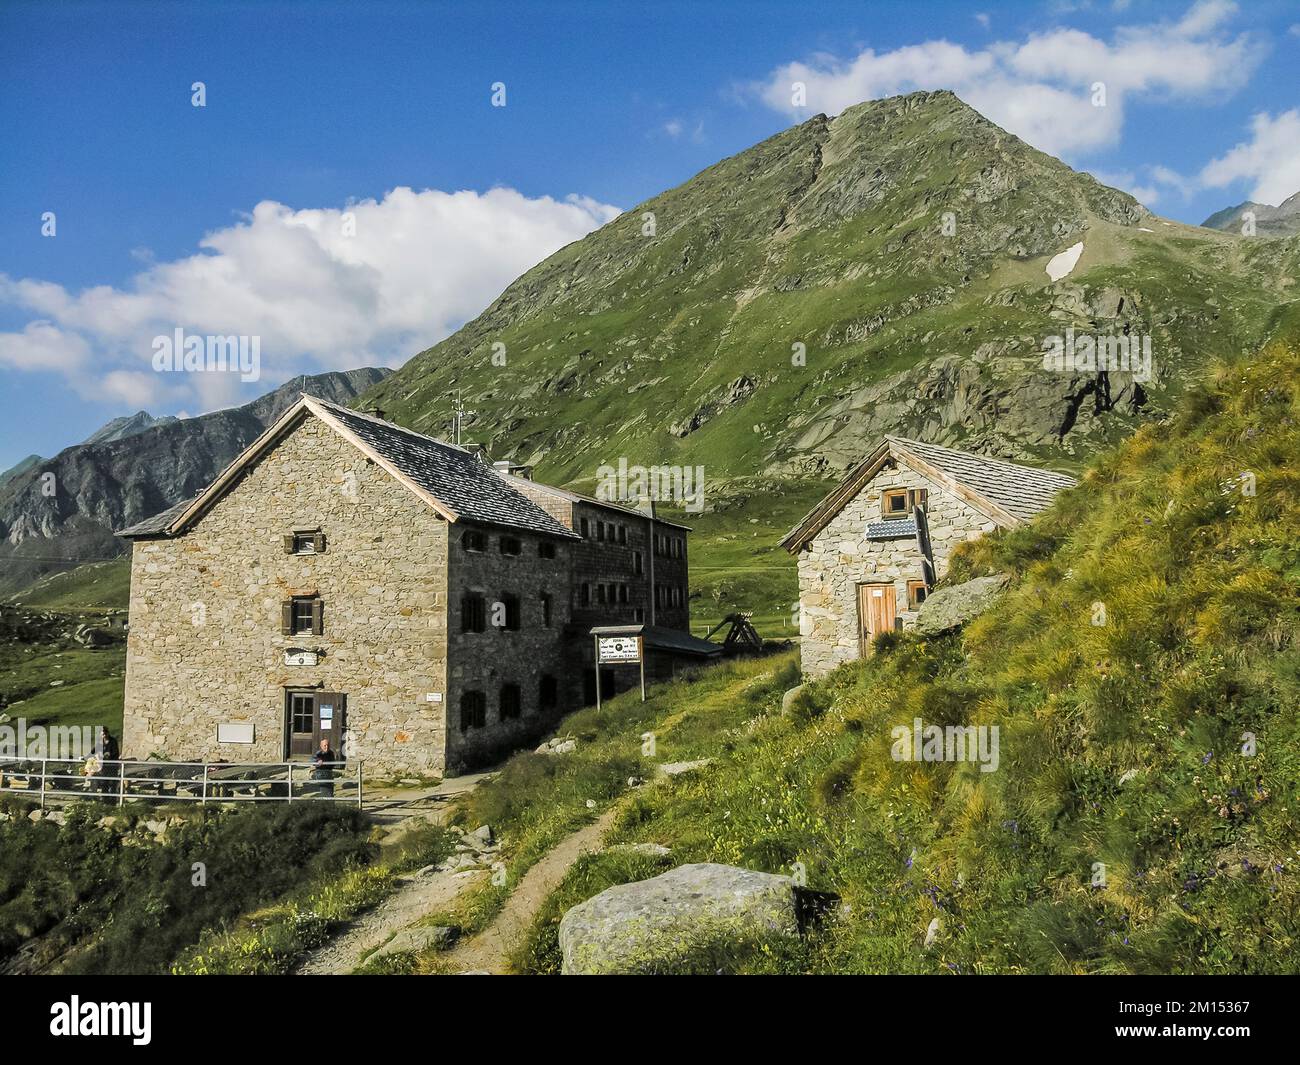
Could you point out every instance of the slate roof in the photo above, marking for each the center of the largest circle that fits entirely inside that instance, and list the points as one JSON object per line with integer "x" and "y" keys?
{"x": 1021, "y": 490}
{"x": 1006, "y": 492}
{"x": 157, "y": 525}
{"x": 450, "y": 474}
{"x": 453, "y": 476}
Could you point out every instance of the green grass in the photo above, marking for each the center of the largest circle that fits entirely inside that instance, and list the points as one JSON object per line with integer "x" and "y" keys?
{"x": 99, "y": 905}
{"x": 96, "y": 586}
{"x": 1049, "y": 864}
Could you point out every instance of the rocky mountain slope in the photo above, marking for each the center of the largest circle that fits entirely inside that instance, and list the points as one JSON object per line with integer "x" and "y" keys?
{"x": 1280, "y": 221}
{"x": 102, "y": 486}
{"x": 881, "y": 271}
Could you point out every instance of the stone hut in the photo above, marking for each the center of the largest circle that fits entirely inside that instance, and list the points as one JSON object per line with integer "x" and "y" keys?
{"x": 349, "y": 579}
{"x": 871, "y": 550}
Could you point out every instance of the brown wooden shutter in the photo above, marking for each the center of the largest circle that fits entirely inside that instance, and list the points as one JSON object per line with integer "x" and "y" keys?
{"x": 317, "y": 617}
{"x": 288, "y": 545}
{"x": 286, "y": 618}
{"x": 318, "y": 541}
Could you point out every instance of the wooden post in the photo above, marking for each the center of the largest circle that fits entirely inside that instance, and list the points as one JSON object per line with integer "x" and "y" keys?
{"x": 640, "y": 643}
{"x": 596, "y": 646}
{"x": 121, "y": 783}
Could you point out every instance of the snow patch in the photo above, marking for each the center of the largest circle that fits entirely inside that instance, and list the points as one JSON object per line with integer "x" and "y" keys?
{"x": 1143, "y": 229}
{"x": 1059, "y": 266}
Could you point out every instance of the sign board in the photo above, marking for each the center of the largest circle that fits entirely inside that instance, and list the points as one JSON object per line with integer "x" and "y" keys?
{"x": 619, "y": 648}
{"x": 235, "y": 732}
{"x": 297, "y": 656}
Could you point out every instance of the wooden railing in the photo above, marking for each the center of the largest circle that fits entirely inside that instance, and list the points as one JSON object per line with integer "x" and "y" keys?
{"x": 132, "y": 781}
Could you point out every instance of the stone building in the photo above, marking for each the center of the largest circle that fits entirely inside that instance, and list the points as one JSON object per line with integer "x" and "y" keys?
{"x": 352, "y": 580}
{"x": 870, "y": 551}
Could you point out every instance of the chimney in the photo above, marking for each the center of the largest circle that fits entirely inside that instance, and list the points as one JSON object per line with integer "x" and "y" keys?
{"x": 526, "y": 472}
{"x": 501, "y": 466}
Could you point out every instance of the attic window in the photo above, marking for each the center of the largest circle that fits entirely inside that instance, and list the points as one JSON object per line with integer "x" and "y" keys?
{"x": 893, "y": 504}
{"x": 304, "y": 542}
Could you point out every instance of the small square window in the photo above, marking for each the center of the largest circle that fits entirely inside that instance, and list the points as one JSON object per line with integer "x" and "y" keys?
{"x": 473, "y": 540}
{"x": 895, "y": 503}
{"x": 511, "y": 545}
{"x": 545, "y": 550}
{"x": 916, "y": 593}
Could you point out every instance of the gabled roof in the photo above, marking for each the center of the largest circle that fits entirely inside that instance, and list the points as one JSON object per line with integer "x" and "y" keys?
{"x": 577, "y": 497}
{"x": 1004, "y": 492}
{"x": 450, "y": 479}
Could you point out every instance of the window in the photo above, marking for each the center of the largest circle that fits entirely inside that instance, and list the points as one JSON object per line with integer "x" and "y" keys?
{"x": 916, "y": 593}
{"x": 473, "y": 540}
{"x": 545, "y": 550}
{"x": 622, "y": 534}
{"x": 302, "y": 616}
{"x": 473, "y": 710}
{"x": 586, "y": 595}
{"x": 585, "y": 528}
{"x": 510, "y": 545}
{"x": 302, "y": 712}
{"x": 638, "y": 615}
{"x": 600, "y": 530}
{"x": 893, "y": 503}
{"x": 622, "y": 593}
{"x": 510, "y": 704}
{"x": 636, "y": 563}
{"x": 546, "y": 609}
{"x": 548, "y": 693}
{"x": 473, "y": 613}
{"x": 600, "y": 593}
{"x": 511, "y": 612}
{"x": 305, "y": 542}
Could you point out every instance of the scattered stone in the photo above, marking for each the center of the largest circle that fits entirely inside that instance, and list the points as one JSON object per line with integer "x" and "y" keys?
{"x": 35, "y": 815}
{"x": 950, "y": 608}
{"x": 653, "y": 925}
{"x": 789, "y": 697}
{"x": 56, "y": 816}
{"x": 649, "y": 850}
{"x": 419, "y": 938}
{"x": 676, "y": 769}
{"x": 483, "y": 834}
{"x": 1127, "y": 776}
{"x": 932, "y": 933}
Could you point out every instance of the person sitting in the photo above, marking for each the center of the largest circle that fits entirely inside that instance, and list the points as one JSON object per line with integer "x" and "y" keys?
{"x": 323, "y": 762}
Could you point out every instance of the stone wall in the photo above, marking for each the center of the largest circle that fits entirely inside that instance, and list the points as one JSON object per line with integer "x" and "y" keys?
{"x": 840, "y": 558}
{"x": 205, "y": 645}
{"x": 486, "y": 661}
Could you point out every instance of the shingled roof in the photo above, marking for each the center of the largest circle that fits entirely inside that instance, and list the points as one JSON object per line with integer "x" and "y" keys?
{"x": 452, "y": 480}
{"x": 1005, "y": 492}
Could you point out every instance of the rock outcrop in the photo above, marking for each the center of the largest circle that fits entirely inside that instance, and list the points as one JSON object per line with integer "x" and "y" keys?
{"x": 950, "y": 608}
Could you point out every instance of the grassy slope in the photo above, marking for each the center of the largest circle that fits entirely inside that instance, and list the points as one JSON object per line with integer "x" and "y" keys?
{"x": 1201, "y": 586}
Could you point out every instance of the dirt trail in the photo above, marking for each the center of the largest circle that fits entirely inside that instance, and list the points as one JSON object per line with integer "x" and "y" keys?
{"x": 490, "y": 950}
{"x": 424, "y": 894}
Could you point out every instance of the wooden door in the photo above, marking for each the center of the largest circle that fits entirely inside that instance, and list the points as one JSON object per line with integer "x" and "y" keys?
{"x": 311, "y": 717}
{"x": 877, "y": 609}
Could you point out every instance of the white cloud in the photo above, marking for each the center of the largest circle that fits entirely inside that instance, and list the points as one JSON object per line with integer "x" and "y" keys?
{"x": 1149, "y": 183}
{"x": 1042, "y": 87}
{"x": 1270, "y": 160}
{"x": 418, "y": 265}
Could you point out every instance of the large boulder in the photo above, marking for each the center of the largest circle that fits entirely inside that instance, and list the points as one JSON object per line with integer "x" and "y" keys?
{"x": 950, "y": 608}
{"x": 663, "y": 924}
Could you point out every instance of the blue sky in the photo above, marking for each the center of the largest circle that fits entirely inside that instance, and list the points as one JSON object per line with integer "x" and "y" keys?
{"x": 231, "y": 218}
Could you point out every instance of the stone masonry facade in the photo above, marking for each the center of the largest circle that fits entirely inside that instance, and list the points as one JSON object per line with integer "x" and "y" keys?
{"x": 840, "y": 558}
{"x": 452, "y": 643}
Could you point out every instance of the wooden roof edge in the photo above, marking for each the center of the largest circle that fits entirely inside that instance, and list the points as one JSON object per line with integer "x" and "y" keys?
{"x": 836, "y": 499}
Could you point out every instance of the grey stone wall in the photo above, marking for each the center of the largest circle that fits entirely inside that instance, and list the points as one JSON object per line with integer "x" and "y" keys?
{"x": 840, "y": 558}
{"x": 205, "y": 645}
{"x": 486, "y": 661}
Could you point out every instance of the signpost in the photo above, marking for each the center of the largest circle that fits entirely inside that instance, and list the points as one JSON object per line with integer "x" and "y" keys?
{"x": 623, "y": 651}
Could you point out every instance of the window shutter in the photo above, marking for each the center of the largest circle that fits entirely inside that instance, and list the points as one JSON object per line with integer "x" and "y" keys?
{"x": 318, "y": 542}
{"x": 317, "y": 617}
{"x": 286, "y": 618}
{"x": 288, "y": 545}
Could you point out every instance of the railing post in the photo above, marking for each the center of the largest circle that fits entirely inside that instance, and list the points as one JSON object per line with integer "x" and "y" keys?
{"x": 121, "y": 783}
{"x": 359, "y": 785}
{"x": 289, "y": 767}
{"x": 43, "y": 767}
{"x": 203, "y": 795}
